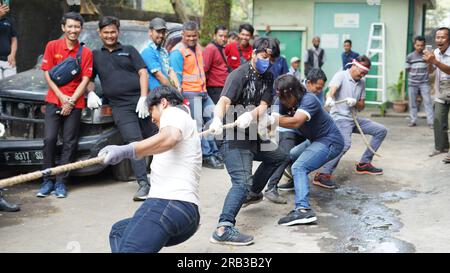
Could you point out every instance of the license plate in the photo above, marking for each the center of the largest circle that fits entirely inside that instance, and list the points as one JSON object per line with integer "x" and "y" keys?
{"x": 23, "y": 158}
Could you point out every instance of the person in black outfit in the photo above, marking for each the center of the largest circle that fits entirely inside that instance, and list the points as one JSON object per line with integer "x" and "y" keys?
{"x": 124, "y": 79}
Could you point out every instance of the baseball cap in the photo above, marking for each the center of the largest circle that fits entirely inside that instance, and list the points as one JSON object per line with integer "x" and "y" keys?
{"x": 294, "y": 59}
{"x": 158, "y": 23}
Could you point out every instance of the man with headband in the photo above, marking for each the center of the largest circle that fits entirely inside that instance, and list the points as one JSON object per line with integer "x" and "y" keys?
{"x": 350, "y": 86}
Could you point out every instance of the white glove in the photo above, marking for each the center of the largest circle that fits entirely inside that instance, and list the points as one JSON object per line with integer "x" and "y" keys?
{"x": 266, "y": 121}
{"x": 114, "y": 154}
{"x": 329, "y": 102}
{"x": 350, "y": 102}
{"x": 2, "y": 129}
{"x": 244, "y": 120}
{"x": 93, "y": 101}
{"x": 142, "y": 108}
{"x": 216, "y": 126}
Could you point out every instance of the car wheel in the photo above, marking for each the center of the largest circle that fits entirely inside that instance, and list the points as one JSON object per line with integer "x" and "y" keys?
{"x": 124, "y": 172}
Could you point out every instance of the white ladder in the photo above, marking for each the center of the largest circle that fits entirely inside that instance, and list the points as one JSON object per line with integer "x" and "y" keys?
{"x": 377, "y": 45}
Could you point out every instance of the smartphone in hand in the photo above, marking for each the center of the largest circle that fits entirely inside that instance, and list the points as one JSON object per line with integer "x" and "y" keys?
{"x": 429, "y": 48}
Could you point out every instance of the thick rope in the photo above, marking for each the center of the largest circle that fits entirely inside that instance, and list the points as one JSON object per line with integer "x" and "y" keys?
{"x": 359, "y": 129}
{"x": 70, "y": 167}
{"x": 50, "y": 172}
{"x": 210, "y": 131}
{"x": 363, "y": 135}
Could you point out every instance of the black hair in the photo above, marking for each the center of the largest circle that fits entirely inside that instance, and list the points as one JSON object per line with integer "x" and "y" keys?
{"x": 365, "y": 60}
{"x": 107, "y": 21}
{"x": 315, "y": 75}
{"x": 232, "y": 34}
{"x": 164, "y": 92}
{"x": 190, "y": 26}
{"x": 219, "y": 27}
{"x": 275, "y": 45}
{"x": 266, "y": 44}
{"x": 348, "y": 41}
{"x": 72, "y": 15}
{"x": 247, "y": 27}
{"x": 444, "y": 28}
{"x": 287, "y": 86}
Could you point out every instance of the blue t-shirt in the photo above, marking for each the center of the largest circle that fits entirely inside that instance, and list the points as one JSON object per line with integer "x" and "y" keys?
{"x": 320, "y": 126}
{"x": 156, "y": 59}
{"x": 176, "y": 61}
{"x": 348, "y": 58}
{"x": 279, "y": 67}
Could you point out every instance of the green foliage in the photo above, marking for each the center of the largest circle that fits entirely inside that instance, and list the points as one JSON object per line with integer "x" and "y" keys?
{"x": 395, "y": 90}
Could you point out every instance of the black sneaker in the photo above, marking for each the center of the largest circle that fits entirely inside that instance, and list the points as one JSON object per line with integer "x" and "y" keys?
{"x": 212, "y": 162}
{"x": 252, "y": 198}
{"x": 324, "y": 180}
{"x": 297, "y": 217}
{"x": 289, "y": 186}
{"x": 368, "y": 168}
{"x": 231, "y": 236}
{"x": 273, "y": 196}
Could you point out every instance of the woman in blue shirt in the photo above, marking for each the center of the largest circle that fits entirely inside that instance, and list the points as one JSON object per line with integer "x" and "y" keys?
{"x": 302, "y": 110}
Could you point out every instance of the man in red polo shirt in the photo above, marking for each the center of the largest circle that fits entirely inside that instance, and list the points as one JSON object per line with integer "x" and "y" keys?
{"x": 240, "y": 52}
{"x": 216, "y": 65}
{"x": 64, "y": 103}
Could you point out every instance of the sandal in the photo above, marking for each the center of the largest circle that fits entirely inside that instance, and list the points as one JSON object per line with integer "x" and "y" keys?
{"x": 446, "y": 160}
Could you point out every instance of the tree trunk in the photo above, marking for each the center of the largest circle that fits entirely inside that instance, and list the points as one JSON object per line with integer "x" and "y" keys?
{"x": 180, "y": 10}
{"x": 215, "y": 13}
{"x": 37, "y": 22}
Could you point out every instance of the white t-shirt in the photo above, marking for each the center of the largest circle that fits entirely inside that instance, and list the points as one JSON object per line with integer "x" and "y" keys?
{"x": 175, "y": 174}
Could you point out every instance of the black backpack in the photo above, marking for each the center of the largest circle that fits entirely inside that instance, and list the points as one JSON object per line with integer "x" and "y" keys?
{"x": 67, "y": 70}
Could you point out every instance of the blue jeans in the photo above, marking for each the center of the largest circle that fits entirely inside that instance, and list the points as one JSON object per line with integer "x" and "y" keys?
{"x": 347, "y": 128}
{"x": 239, "y": 163}
{"x": 288, "y": 140}
{"x": 202, "y": 111}
{"x": 309, "y": 157}
{"x": 157, "y": 223}
{"x": 425, "y": 93}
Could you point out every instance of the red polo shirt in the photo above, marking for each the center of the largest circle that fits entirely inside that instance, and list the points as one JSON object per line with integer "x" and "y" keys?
{"x": 215, "y": 66}
{"x": 232, "y": 53}
{"x": 57, "y": 51}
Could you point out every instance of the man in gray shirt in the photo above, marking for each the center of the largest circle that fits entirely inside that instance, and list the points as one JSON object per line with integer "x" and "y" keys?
{"x": 418, "y": 81}
{"x": 349, "y": 86}
{"x": 440, "y": 61}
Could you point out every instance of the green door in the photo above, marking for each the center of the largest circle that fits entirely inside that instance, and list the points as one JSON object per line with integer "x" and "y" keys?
{"x": 290, "y": 43}
{"x": 336, "y": 22}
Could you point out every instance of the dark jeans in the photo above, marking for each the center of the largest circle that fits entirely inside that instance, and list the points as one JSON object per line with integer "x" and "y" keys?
{"x": 70, "y": 127}
{"x": 214, "y": 93}
{"x": 441, "y": 111}
{"x": 132, "y": 128}
{"x": 157, "y": 223}
{"x": 288, "y": 140}
{"x": 239, "y": 163}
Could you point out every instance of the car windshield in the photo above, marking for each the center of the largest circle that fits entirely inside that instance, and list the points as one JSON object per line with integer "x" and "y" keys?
{"x": 137, "y": 38}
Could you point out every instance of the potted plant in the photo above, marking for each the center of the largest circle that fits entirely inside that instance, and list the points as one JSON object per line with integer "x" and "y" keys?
{"x": 397, "y": 94}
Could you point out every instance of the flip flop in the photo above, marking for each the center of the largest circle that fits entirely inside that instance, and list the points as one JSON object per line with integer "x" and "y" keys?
{"x": 446, "y": 160}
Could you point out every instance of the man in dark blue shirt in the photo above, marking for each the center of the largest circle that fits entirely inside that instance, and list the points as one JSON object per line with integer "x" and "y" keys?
{"x": 8, "y": 44}
{"x": 348, "y": 55}
{"x": 302, "y": 110}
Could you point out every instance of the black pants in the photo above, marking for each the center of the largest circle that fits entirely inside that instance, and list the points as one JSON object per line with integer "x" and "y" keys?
{"x": 214, "y": 93}
{"x": 70, "y": 127}
{"x": 288, "y": 140}
{"x": 132, "y": 128}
